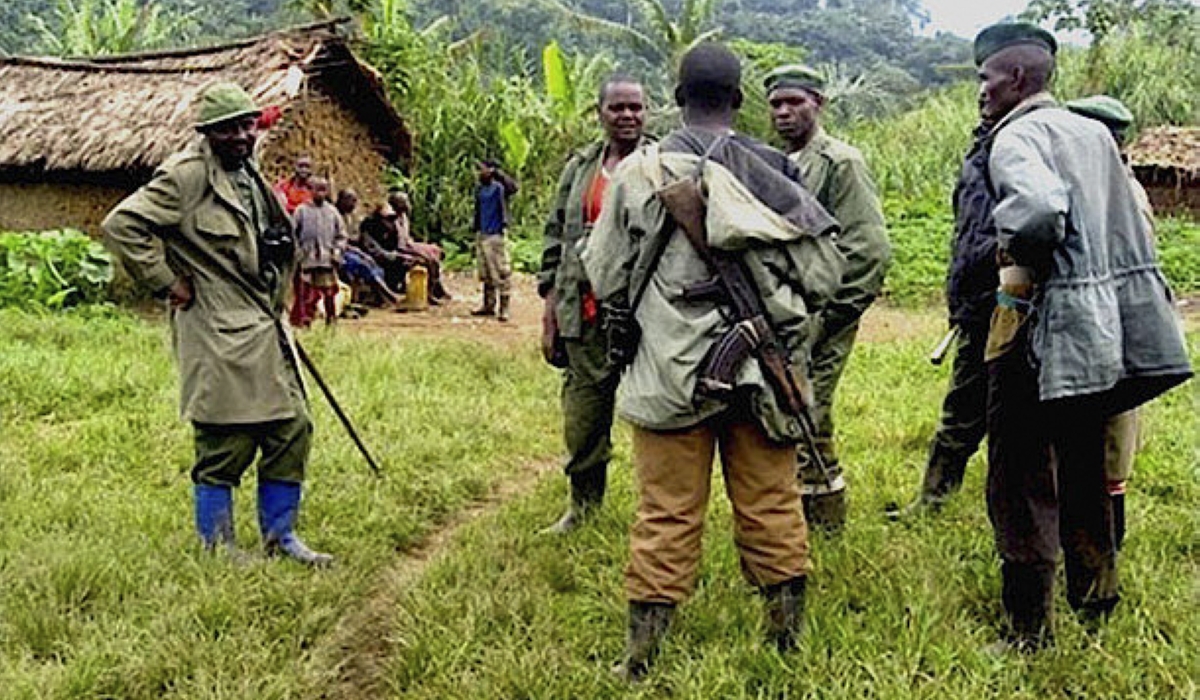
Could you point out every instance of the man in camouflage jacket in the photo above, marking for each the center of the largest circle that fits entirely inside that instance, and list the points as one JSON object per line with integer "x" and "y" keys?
{"x": 571, "y": 337}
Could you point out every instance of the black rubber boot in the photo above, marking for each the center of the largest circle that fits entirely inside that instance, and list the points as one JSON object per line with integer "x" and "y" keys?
{"x": 505, "y": 304}
{"x": 648, "y": 624}
{"x": 943, "y": 478}
{"x": 587, "y": 494}
{"x": 825, "y": 511}
{"x": 489, "y": 302}
{"x": 785, "y": 612}
{"x": 1027, "y": 592}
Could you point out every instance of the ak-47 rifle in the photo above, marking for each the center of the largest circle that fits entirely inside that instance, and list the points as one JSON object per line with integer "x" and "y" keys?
{"x": 752, "y": 333}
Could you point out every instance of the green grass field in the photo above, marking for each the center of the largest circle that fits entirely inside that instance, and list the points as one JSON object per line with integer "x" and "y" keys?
{"x": 105, "y": 594}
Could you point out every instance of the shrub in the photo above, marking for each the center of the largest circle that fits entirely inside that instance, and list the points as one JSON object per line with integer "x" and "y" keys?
{"x": 53, "y": 270}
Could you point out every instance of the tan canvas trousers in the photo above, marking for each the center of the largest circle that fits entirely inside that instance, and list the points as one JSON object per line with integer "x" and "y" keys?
{"x": 495, "y": 268}
{"x": 674, "y": 472}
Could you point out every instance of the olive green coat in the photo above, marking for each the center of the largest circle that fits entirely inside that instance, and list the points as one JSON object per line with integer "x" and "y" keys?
{"x": 796, "y": 272}
{"x": 562, "y": 240}
{"x": 837, "y": 174}
{"x": 232, "y": 363}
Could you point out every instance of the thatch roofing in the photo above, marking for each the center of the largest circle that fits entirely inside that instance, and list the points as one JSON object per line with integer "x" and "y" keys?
{"x": 1171, "y": 148}
{"x": 121, "y": 113}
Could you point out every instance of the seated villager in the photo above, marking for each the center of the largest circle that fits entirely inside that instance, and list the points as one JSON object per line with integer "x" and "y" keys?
{"x": 378, "y": 235}
{"x": 429, "y": 255}
{"x": 358, "y": 259}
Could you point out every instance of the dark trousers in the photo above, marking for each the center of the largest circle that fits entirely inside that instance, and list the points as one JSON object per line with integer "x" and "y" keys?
{"x": 1046, "y": 490}
{"x": 963, "y": 422}
{"x": 224, "y": 452}
{"x": 588, "y": 400}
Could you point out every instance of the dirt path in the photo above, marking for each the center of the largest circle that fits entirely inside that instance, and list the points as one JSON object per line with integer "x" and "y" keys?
{"x": 453, "y": 320}
{"x": 360, "y": 646}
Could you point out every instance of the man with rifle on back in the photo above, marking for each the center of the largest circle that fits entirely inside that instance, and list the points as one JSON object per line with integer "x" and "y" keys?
{"x": 658, "y": 259}
{"x": 208, "y": 235}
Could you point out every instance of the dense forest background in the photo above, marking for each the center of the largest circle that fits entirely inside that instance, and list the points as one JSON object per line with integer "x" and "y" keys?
{"x": 855, "y": 35}
{"x": 516, "y": 80}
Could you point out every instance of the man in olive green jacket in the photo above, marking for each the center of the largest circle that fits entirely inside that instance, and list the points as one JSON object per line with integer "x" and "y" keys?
{"x": 571, "y": 335}
{"x": 206, "y": 218}
{"x": 837, "y": 174}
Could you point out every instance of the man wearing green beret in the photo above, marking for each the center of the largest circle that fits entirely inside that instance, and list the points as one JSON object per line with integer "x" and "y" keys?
{"x": 1121, "y": 433}
{"x": 205, "y": 221}
{"x": 837, "y": 174}
{"x": 1083, "y": 329}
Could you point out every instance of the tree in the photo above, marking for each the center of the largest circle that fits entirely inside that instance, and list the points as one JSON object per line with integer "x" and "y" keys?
{"x": 1143, "y": 52}
{"x": 1102, "y": 17}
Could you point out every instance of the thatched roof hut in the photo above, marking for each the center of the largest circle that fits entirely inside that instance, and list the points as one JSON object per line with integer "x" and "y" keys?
{"x": 1166, "y": 161}
{"x": 77, "y": 135}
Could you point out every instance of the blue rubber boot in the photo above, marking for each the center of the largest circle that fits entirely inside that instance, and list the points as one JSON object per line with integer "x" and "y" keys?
{"x": 214, "y": 514}
{"x": 278, "y": 505}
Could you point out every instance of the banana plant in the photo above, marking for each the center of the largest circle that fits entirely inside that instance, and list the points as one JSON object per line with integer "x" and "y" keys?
{"x": 661, "y": 37}
{"x": 96, "y": 27}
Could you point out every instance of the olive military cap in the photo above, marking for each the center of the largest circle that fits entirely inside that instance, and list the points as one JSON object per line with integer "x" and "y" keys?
{"x": 795, "y": 75}
{"x": 221, "y": 102}
{"x": 1103, "y": 108}
{"x": 1001, "y": 36}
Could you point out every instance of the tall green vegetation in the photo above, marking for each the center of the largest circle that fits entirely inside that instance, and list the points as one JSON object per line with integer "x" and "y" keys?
{"x": 469, "y": 99}
{"x": 98, "y": 27}
{"x": 1143, "y": 52}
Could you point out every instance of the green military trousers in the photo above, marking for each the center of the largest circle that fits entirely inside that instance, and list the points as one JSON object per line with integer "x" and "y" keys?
{"x": 829, "y": 358}
{"x": 588, "y": 399}
{"x": 224, "y": 451}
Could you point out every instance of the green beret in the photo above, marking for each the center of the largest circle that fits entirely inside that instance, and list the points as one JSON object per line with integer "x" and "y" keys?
{"x": 795, "y": 75}
{"x": 1001, "y": 36}
{"x": 1103, "y": 108}
{"x": 221, "y": 102}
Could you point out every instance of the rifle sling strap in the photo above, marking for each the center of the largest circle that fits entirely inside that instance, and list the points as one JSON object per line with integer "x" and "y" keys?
{"x": 663, "y": 235}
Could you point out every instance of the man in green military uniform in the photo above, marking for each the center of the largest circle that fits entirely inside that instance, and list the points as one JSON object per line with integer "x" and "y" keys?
{"x": 1121, "y": 431}
{"x": 837, "y": 174}
{"x": 205, "y": 220}
{"x": 571, "y": 336}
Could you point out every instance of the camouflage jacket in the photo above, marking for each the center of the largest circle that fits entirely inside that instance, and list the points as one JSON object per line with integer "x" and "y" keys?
{"x": 756, "y": 206}
{"x": 563, "y": 238}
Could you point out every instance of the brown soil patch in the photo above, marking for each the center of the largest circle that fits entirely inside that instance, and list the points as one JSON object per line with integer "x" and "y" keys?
{"x": 882, "y": 323}
{"x": 358, "y": 650}
{"x": 454, "y": 319}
